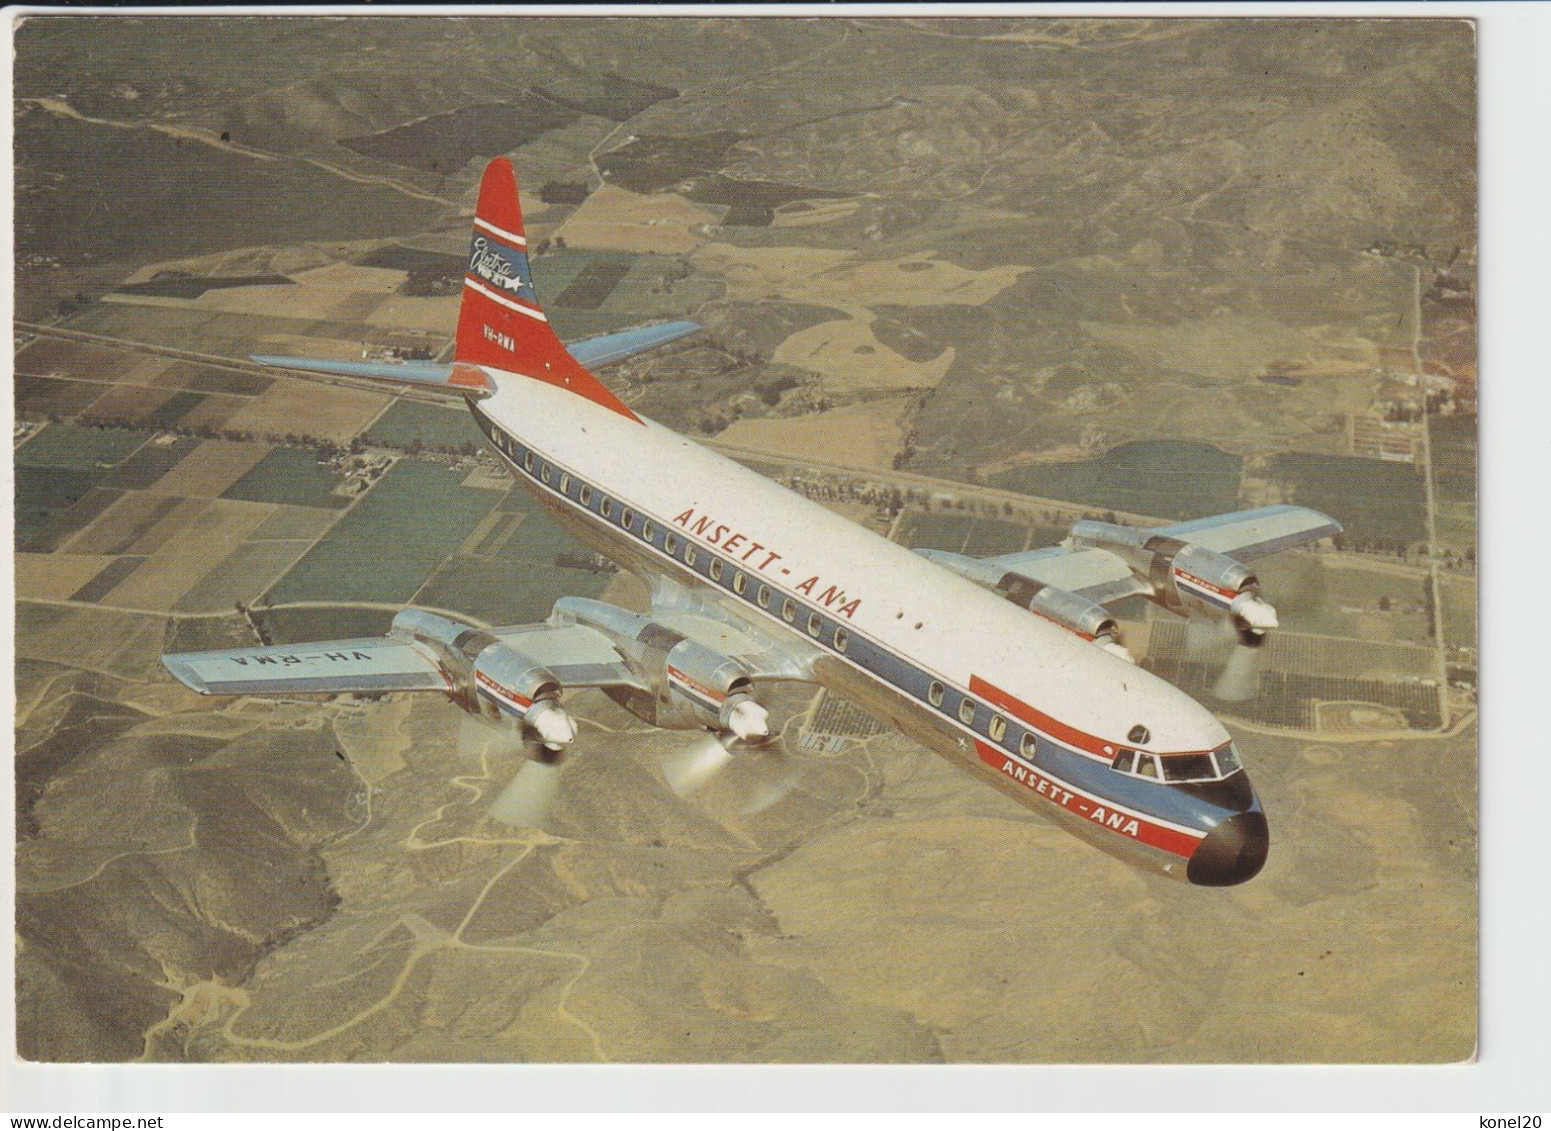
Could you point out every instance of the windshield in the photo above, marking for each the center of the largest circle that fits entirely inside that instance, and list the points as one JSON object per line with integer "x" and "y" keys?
{"x": 1189, "y": 767}
{"x": 1228, "y": 760}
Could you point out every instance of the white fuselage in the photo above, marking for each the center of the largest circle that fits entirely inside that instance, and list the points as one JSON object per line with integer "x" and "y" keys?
{"x": 897, "y": 611}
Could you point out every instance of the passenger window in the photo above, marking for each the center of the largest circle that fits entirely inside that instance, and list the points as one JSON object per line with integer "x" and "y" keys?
{"x": 716, "y": 569}
{"x": 842, "y": 640}
{"x": 670, "y": 544}
{"x": 1147, "y": 766}
{"x": 998, "y": 728}
{"x": 967, "y": 712}
{"x": 527, "y": 462}
{"x": 739, "y": 583}
{"x": 1124, "y": 761}
{"x": 606, "y": 507}
{"x": 1028, "y": 745}
{"x": 815, "y": 624}
{"x": 544, "y": 470}
{"x": 648, "y": 531}
{"x": 788, "y": 610}
{"x": 934, "y": 694}
{"x": 689, "y": 554}
{"x": 585, "y": 495}
{"x": 763, "y": 596}
{"x": 565, "y": 483}
{"x": 627, "y": 520}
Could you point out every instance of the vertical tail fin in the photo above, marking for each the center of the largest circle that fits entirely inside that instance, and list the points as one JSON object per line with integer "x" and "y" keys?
{"x": 501, "y": 325}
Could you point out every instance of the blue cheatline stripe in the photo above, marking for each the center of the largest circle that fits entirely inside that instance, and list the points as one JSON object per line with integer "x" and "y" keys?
{"x": 883, "y": 664}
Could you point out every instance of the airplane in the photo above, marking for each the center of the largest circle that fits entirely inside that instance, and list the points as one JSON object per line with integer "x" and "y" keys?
{"x": 1011, "y": 667}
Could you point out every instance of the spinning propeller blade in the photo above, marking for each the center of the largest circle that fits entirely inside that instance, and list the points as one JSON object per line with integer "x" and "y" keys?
{"x": 693, "y": 768}
{"x": 1240, "y": 678}
{"x": 526, "y": 800}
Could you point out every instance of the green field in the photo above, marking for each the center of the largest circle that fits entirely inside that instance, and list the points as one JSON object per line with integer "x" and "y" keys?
{"x": 42, "y": 494}
{"x": 391, "y": 540}
{"x": 1161, "y": 478}
{"x": 1380, "y": 504}
{"x": 80, "y": 448}
{"x": 290, "y": 523}
{"x": 925, "y": 530}
{"x": 433, "y": 426}
{"x": 149, "y": 464}
{"x": 1459, "y": 611}
{"x": 290, "y": 475}
{"x": 38, "y": 397}
{"x": 290, "y": 626}
{"x": 991, "y": 537}
{"x": 241, "y": 577}
{"x": 519, "y": 582}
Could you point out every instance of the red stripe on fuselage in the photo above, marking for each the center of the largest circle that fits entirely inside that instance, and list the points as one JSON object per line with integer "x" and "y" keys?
{"x": 1123, "y": 822}
{"x": 1045, "y": 724}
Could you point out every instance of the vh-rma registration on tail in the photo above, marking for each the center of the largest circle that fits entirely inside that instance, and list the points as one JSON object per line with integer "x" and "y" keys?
{"x": 1010, "y": 667}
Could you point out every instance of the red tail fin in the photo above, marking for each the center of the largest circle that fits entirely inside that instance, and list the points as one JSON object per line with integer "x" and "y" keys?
{"x": 500, "y": 324}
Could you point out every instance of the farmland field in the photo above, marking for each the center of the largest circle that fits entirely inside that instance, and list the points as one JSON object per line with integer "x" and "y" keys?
{"x": 391, "y": 540}
{"x": 1164, "y": 479}
{"x": 408, "y": 423}
{"x": 290, "y": 475}
{"x": 80, "y": 448}
{"x": 1379, "y": 503}
{"x": 519, "y": 582}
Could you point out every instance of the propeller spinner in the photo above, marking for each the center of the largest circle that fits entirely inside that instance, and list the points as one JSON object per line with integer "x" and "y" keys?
{"x": 546, "y": 732}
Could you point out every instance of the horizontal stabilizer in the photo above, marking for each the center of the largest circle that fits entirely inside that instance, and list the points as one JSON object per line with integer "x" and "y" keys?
{"x": 605, "y": 349}
{"x": 453, "y": 378}
{"x": 609, "y": 348}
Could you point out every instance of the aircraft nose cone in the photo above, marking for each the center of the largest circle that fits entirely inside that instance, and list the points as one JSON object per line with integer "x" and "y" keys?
{"x": 1233, "y": 852}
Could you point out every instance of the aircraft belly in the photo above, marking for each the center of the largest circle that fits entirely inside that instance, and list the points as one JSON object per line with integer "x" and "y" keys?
{"x": 923, "y": 727}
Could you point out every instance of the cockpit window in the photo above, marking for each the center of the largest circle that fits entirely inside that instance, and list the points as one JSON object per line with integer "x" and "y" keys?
{"x": 1189, "y": 767}
{"x": 1124, "y": 761}
{"x": 1139, "y": 735}
{"x": 1228, "y": 760}
{"x": 1147, "y": 766}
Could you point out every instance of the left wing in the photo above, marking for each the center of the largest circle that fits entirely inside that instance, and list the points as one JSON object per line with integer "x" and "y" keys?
{"x": 1254, "y": 533}
{"x": 1094, "y": 574}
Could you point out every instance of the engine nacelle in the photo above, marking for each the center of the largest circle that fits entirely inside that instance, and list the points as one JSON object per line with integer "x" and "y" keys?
{"x": 695, "y": 686}
{"x": 488, "y": 677}
{"x": 1072, "y": 612}
{"x": 1185, "y": 578}
{"x": 706, "y": 684}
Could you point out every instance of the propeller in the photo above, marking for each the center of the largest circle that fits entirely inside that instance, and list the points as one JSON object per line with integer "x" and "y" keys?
{"x": 1240, "y": 678}
{"x": 1253, "y": 618}
{"x": 747, "y": 728}
{"x": 694, "y": 767}
{"x": 546, "y": 731}
{"x": 1250, "y": 619}
{"x": 526, "y": 800}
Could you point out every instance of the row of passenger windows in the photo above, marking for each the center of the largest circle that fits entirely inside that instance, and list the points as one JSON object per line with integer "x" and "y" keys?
{"x": 968, "y": 709}
{"x": 716, "y": 567}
